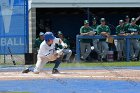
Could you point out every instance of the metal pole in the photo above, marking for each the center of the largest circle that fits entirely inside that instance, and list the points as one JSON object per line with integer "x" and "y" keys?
{"x": 27, "y": 26}
{"x": 88, "y": 15}
{"x": 77, "y": 49}
{"x": 4, "y": 59}
{"x": 127, "y": 48}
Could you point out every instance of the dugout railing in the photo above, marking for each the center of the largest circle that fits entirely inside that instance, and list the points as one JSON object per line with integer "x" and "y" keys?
{"x": 127, "y": 39}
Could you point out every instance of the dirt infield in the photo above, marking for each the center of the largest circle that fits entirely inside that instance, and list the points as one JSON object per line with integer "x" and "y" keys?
{"x": 115, "y": 74}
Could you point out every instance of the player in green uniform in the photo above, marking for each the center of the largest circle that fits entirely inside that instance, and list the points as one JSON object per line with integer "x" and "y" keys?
{"x": 103, "y": 30}
{"x": 120, "y": 42}
{"x": 67, "y": 51}
{"x": 95, "y": 41}
{"x": 85, "y": 43}
{"x": 127, "y": 19}
{"x": 39, "y": 40}
{"x": 133, "y": 29}
{"x": 94, "y": 25}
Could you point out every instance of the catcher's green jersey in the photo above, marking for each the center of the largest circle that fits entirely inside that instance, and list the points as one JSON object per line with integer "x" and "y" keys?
{"x": 131, "y": 28}
{"x": 119, "y": 29}
{"x": 101, "y": 28}
{"x": 85, "y": 30}
{"x": 65, "y": 41}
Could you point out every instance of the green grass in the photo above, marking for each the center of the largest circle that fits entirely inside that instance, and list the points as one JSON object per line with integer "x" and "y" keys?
{"x": 91, "y": 64}
{"x": 85, "y": 64}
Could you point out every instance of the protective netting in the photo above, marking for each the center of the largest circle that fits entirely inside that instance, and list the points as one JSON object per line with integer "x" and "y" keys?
{"x": 8, "y": 60}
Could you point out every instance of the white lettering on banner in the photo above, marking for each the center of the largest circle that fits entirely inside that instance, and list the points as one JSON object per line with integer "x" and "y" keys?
{"x": 11, "y": 41}
{"x": 3, "y": 42}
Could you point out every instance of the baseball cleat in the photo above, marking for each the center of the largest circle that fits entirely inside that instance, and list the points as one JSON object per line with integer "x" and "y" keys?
{"x": 55, "y": 71}
{"x": 26, "y": 70}
{"x": 134, "y": 59}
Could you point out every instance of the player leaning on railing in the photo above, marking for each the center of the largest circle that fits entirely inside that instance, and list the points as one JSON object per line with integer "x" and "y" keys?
{"x": 104, "y": 31}
{"x": 120, "y": 45}
{"x": 133, "y": 29}
{"x": 95, "y": 41}
{"x": 85, "y": 44}
{"x": 47, "y": 53}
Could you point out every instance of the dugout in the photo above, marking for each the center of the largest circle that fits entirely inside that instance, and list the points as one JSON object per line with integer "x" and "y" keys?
{"x": 68, "y": 16}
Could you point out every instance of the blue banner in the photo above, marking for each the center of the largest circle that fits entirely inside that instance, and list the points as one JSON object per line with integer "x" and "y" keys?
{"x": 13, "y": 26}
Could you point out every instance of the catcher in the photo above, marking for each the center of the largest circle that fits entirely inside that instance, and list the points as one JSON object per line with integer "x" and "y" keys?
{"x": 48, "y": 53}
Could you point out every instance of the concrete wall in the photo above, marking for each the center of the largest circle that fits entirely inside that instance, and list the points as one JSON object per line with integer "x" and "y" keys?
{"x": 32, "y": 29}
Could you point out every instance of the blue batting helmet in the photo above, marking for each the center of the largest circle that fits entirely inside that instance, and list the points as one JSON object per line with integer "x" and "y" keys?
{"x": 48, "y": 36}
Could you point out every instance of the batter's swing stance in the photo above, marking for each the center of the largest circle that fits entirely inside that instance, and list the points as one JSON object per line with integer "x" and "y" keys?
{"x": 48, "y": 53}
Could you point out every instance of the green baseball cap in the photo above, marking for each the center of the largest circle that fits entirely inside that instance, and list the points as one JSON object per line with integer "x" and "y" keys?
{"x": 121, "y": 21}
{"x": 133, "y": 19}
{"x": 126, "y": 16}
{"x": 60, "y": 33}
{"x": 41, "y": 33}
{"x": 86, "y": 22}
{"x": 102, "y": 19}
{"x": 94, "y": 19}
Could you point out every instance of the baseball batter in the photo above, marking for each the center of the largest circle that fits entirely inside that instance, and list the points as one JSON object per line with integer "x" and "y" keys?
{"x": 47, "y": 53}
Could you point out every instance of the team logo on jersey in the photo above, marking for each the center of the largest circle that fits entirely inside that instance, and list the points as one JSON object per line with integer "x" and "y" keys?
{"x": 132, "y": 29}
{"x": 6, "y": 12}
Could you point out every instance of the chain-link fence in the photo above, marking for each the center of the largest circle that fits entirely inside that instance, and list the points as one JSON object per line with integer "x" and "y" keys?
{"x": 8, "y": 60}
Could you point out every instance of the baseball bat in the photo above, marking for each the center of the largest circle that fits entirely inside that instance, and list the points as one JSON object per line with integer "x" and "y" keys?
{"x": 11, "y": 56}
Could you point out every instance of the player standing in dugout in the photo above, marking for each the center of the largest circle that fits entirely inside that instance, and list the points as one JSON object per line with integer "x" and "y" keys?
{"x": 104, "y": 31}
{"x": 133, "y": 29}
{"x": 85, "y": 44}
{"x": 95, "y": 41}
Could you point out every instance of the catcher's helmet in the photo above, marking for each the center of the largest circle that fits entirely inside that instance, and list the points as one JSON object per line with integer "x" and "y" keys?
{"x": 48, "y": 36}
